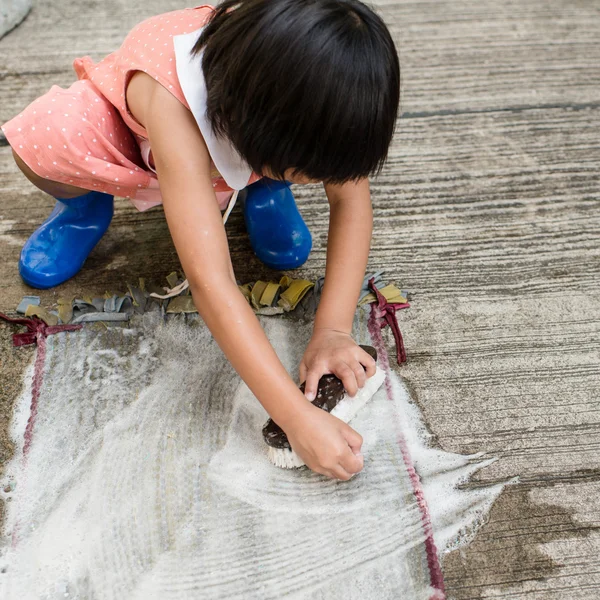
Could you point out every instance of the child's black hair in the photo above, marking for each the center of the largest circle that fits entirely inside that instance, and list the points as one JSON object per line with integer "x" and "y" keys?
{"x": 308, "y": 85}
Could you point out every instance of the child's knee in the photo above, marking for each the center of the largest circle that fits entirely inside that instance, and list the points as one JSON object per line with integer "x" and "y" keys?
{"x": 26, "y": 170}
{"x": 54, "y": 188}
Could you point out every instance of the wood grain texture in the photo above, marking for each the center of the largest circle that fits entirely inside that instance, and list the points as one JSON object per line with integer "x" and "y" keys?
{"x": 488, "y": 212}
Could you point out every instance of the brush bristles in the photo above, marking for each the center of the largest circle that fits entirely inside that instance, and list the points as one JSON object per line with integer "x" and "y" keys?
{"x": 345, "y": 410}
{"x": 284, "y": 458}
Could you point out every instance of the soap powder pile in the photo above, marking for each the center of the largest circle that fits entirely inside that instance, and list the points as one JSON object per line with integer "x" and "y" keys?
{"x": 148, "y": 478}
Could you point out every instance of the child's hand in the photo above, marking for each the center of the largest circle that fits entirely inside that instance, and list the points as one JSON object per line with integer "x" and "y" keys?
{"x": 326, "y": 444}
{"x": 331, "y": 351}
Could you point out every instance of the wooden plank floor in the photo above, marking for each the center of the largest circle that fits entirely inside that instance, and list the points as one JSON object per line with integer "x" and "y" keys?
{"x": 488, "y": 212}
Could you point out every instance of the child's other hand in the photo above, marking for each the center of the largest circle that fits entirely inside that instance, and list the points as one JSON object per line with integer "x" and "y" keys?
{"x": 331, "y": 351}
{"x": 325, "y": 443}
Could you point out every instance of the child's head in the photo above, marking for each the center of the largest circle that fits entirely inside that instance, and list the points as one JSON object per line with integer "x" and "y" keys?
{"x": 306, "y": 85}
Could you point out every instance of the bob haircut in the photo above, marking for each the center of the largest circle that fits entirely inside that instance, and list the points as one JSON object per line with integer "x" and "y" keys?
{"x": 307, "y": 85}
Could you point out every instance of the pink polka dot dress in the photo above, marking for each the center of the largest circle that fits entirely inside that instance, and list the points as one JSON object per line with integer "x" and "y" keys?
{"x": 85, "y": 135}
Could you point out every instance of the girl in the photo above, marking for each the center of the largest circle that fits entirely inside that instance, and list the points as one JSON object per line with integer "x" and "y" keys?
{"x": 200, "y": 102}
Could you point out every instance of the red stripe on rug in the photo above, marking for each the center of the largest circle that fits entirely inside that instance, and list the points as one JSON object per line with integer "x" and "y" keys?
{"x": 36, "y": 387}
{"x": 37, "y": 331}
{"x": 435, "y": 571}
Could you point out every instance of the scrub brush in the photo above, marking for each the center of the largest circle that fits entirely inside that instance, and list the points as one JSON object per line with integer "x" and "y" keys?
{"x": 331, "y": 397}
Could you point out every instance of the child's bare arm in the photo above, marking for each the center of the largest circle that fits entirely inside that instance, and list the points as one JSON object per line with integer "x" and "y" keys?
{"x": 183, "y": 167}
{"x": 332, "y": 349}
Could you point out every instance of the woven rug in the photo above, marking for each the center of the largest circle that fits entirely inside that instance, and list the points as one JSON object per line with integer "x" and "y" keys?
{"x": 146, "y": 477}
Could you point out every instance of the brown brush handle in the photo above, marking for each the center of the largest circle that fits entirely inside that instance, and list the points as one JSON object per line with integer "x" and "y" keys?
{"x": 329, "y": 393}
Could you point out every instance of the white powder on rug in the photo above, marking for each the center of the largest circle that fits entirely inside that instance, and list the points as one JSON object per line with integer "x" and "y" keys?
{"x": 148, "y": 478}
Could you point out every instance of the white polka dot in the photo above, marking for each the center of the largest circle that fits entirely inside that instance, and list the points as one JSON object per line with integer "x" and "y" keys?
{"x": 35, "y": 146}
{"x": 20, "y": 145}
{"x": 18, "y": 129}
{"x": 64, "y": 145}
{"x": 93, "y": 172}
{"x": 47, "y": 128}
{"x": 53, "y": 162}
{"x": 64, "y": 129}
{"x": 33, "y": 129}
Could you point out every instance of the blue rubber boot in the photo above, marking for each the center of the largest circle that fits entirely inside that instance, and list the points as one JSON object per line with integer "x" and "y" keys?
{"x": 278, "y": 234}
{"x": 58, "y": 248}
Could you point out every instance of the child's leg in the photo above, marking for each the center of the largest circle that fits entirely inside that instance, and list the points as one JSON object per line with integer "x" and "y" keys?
{"x": 73, "y": 145}
{"x": 58, "y": 248}
{"x": 54, "y": 188}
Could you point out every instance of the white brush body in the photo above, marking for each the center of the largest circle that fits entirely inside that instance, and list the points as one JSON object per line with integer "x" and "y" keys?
{"x": 345, "y": 411}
